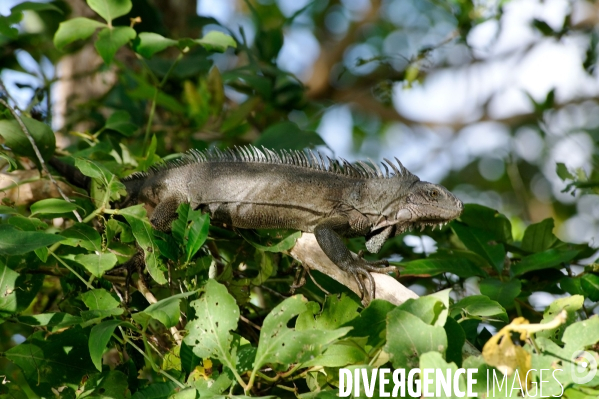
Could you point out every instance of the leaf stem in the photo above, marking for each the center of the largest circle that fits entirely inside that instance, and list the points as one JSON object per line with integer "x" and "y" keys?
{"x": 88, "y": 285}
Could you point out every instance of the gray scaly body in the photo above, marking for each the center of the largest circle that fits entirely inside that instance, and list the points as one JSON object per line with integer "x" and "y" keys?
{"x": 258, "y": 188}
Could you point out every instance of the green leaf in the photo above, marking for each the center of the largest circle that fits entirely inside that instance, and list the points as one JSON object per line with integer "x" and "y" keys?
{"x": 217, "y": 314}
{"x": 97, "y": 315}
{"x": 75, "y": 29}
{"x": 110, "y": 9}
{"x": 17, "y": 141}
{"x": 340, "y": 354}
{"x": 81, "y": 234}
{"x": 27, "y": 224}
{"x": 51, "y": 206}
{"x": 539, "y": 236}
{"x": 156, "y": 390}
{"x": 148, "y": 43}
{"x": 434, "y": 361}
{"x": 543, "y": 260}
{"x": 571, "y": 285}
{"x": 216, "y": 41}
{"x": 456, "y": 338}
{"x": 99, "y": 299}
{"x": 31, "y": 6}
{"x": 111, "y": 384}
{"x": 336, "y": 312}
{"x": 481, "y": 242}
{"x": 266, "y": 267}
{"x": 93, "y": 170}
{"x": 503, "y": 292}
{"x": 408, "y": 337}
{"x": 97, "y": 264}
{"x": 145, "y": 91}
{"x": 111, "y": 39}
{"x": 371, "y": 322}
{"x": 7, "y": 210}
{"x": 12, "y": 164}
{"x": 271, "y": 240}
{"x": 53, "y": 321}
{"x": 279, "y": 344}
{"x": 479, "y": 306}
{"x": 571, "y": 305}
{"x": 16, "y": 242}
{"x": 17, "y": 291}
{"x": 120, "y": 121}
{"x": 431, "y": 267}
{"x": 6, "y": 23}
{"x": 488, "y": 219}
{"x": 188, "y": 393}
{"x": 590, "y": 284}
{"x": 562, "y": 171}
{"x": 189, "y": 360}
{"x": 63, "y": 357}
{"x": 287, "y": 135}
{"x": 142, "y": 230}
{"x": 581, "y": 334}
{"x": 196, "y": 232}
{"x": 269, "y": 43}
{"x": 167, "y": 310}
{"x": 106, "y": 186}
{"x": 150, "y": 158}
{"x": 98, "y": 339}
{"x": 427, "y": 308}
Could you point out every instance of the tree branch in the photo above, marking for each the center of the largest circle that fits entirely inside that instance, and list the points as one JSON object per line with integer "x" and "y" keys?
{"x": 307, "y": 251}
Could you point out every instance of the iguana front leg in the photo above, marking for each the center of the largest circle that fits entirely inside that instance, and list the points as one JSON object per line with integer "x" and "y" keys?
{"x": 165, "y": 213}
{"x": 328, "y": 233}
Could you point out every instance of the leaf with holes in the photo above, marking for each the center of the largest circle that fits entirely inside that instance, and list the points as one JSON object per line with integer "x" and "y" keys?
{"x": 282, "y": 345}
{"x": 217, "y": 314}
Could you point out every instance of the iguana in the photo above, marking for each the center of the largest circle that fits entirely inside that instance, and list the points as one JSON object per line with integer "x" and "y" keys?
{"x": 251, "y": 188}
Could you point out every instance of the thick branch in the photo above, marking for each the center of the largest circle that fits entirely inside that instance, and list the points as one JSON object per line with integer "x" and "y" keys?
{"x": 307, "y": 251}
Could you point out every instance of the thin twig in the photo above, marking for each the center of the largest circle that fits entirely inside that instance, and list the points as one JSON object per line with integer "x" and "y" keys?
{"x": 250, "y": 323}
{"x": 7, "y": 94}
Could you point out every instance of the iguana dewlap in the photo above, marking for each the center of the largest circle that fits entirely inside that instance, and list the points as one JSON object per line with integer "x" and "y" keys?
{"x": 258, "y": 188}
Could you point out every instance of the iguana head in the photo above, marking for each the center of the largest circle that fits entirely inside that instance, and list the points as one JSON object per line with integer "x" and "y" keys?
{"x": 427, "y": 204}
{"x": 422, "y": 204}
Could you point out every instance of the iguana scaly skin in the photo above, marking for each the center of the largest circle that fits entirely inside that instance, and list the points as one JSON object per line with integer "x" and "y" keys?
{"x": 253, "y": 188}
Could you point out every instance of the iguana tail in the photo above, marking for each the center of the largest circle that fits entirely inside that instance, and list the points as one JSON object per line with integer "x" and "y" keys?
{"x": 71, "y": 173}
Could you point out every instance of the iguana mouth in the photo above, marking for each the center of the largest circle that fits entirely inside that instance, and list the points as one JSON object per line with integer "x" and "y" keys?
{"x": 422, "y": 225}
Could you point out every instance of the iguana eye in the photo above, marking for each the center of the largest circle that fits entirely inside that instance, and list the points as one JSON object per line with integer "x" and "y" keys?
{"x": 434, "y": 193}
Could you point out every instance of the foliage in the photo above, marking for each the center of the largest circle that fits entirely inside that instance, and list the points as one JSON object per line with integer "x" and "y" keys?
{"x": 212, "y": 316}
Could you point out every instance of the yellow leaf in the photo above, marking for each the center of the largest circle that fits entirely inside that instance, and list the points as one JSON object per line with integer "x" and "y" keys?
{"x": 500, "y": 351}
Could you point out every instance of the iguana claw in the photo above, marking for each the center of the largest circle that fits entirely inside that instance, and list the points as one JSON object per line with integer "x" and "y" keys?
{"x": 364, "y": 268}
